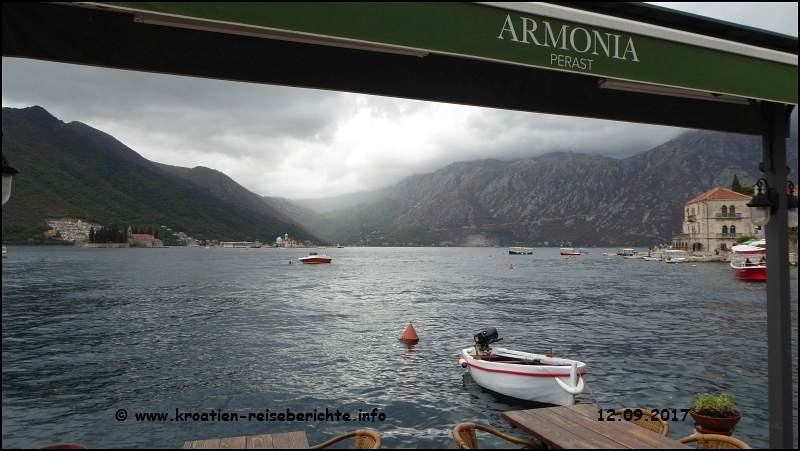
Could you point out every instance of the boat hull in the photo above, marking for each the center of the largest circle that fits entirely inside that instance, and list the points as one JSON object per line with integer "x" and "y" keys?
{"x": 314, "y": 260}
{"x": 756, "y": 273}
{"x": 539, "y": 383}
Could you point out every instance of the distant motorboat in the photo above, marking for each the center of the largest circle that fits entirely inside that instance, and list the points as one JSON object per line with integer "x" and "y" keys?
{"x": 241, "y": 244}
{"x": 626, "y": 252}
{"x": 315, "y": 258}
{"x": 675, "y": 260}
{"x": 748, "y": 249}
{"x": 572, "y": 251}
{"x": 636, "y": 255}
{"x": 520, "y": 251}
{"x": 651, "y": 259}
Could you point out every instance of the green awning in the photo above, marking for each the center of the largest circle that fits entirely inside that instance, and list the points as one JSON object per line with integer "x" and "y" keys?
{"x": 541, "y": 58}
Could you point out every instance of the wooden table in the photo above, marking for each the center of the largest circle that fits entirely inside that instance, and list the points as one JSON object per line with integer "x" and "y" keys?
{"x": 577, "y": 427}
{"x": 284, "y": 440}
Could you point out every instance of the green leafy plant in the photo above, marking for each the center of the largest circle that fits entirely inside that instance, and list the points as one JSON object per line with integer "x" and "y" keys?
{"x": 715, "y": 406}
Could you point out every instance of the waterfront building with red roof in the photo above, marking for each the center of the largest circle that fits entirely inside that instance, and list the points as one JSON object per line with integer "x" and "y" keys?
{"x": 713, "y": 220}
{"x": 143, "y": 240}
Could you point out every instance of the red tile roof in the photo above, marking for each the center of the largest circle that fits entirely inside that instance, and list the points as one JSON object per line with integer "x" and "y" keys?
{"x": 720, "y": 194}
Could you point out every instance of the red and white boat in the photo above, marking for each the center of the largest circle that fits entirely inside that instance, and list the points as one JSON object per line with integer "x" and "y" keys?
{"x": 523, "y": 375}
{"x": 315, "y": 258}
{"x": 750, "y": 271}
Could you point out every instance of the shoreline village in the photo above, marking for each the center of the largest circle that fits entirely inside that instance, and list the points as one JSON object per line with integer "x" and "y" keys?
{"x": 580, "y": 40}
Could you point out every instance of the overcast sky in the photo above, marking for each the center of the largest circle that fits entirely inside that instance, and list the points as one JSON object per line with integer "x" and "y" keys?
{"x": 274, "y": 140}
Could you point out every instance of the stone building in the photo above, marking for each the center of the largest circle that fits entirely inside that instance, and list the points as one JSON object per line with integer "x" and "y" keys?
{"x": 713, "y": 220}
{"x": 143, "y": 240}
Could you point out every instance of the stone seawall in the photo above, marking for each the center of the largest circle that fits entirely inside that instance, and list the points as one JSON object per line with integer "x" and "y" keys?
{"x": 105, "y": 245}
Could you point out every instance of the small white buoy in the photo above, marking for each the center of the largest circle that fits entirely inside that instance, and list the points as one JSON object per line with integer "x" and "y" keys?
{"x": 463, "y": 363}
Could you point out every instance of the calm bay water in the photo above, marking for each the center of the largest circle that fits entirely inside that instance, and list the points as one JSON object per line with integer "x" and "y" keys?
{"x": 87, "y": 332}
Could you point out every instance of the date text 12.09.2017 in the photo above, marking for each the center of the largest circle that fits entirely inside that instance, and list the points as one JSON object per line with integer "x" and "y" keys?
{"x": 637, "y": 414}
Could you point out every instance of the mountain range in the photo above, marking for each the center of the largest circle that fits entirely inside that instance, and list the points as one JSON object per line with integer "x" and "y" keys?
{"x": 73, "y": 170}
{"x": 556, "y": 199}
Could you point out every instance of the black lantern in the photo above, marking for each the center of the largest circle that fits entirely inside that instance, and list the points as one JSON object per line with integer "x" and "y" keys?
{"x": 792, "y": 206}
{"x": 8, "y": 173}
{"x": 763, "y": 204}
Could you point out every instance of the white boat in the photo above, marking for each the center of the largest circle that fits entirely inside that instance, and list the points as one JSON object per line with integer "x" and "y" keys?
{"x": 651, "y": 259}
{"x": 748, "y": 249}
{"x": 523, "y": 375}
{"x": 520, "y": 251}
{"x": 315, "y": 257}
{"x": 674, "y": 260}
{"x": 626, "y": 252}
{"x": 241, "y": 244}
{"x": 572, "y": 251}
{"x": 636, "y": 256}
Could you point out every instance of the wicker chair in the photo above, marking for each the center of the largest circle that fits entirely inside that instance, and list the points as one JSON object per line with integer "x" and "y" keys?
{"x": 365, "y": 439}
{"x": 649, "y": 421}
{"x": 464, "y": 435}
{"x": 714, "y": 441}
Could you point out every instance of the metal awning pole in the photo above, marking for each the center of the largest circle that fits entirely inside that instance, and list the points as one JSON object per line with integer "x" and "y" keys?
{"x": 774, "y": 123}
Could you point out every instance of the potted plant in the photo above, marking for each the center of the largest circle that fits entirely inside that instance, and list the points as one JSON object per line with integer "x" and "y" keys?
{"x": 715, "y": 414}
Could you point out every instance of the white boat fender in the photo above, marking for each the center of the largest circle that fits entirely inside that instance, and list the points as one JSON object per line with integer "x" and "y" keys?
{"x": 577, "y": 384}
{"x": 463, "y": 363}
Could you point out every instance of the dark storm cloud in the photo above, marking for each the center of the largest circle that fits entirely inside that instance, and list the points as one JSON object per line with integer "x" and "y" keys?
{"x": 191, "y": 106}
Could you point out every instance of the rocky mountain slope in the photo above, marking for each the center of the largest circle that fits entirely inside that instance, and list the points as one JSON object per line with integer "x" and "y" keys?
{"x": 558, "y": 198}
{"x": 73, "y": 170}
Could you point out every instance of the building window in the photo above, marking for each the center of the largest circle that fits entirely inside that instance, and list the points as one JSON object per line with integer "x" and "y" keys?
{"x": 724, "y": 229}
{"x": 724, "y": 210}
{"x": 733, "y": 229}
{"x": 732, "y": 210}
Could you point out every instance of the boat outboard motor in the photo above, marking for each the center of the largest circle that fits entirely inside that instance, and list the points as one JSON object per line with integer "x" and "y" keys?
{"x": 486, "y": 337}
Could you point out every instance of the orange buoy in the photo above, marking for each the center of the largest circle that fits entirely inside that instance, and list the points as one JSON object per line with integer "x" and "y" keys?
{"x": 510, "y": 266}
{"x": 410, "y": 335}
{"x": 550, "y": 354}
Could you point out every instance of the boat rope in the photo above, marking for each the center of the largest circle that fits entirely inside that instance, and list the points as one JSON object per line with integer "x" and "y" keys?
{"x": 590, "y": 391}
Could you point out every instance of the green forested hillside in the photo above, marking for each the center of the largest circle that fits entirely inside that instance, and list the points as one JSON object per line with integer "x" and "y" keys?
{"x": 71, "y": 170}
